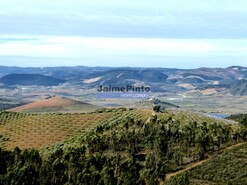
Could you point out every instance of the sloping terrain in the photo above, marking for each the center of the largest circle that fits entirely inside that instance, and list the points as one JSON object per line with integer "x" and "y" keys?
{"x": 128, "y": 76}
{"x": 30, "y": 79}
{"x": 199, "y": 163}
{"x": 230, "y": 167}
{"x": 173, "y": 81}
{"x": 56, "y": 104}
{"x": 8, "y": 103}
{"x": 42, "y": 130}
{"x": 113, "y": 146}
{"x": 238, "y": 87}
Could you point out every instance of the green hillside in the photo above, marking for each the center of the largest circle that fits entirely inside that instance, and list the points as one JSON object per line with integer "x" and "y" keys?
{"x": 230, "y": 167}
{"x": 112, "y": 146}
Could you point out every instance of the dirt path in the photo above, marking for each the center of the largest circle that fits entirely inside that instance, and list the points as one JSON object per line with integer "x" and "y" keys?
{"x": 168, "y": 176}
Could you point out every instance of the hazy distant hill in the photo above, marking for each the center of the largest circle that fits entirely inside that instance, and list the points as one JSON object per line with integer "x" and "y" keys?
{"x": 56, "y": 72}
{"x": 154, "y": 78}
{"x": 167, "y": 80}
{"x": 198, "y": 76}
{"x": 30, "y": 79}
{"x": 129, "y": 76}
{"x": 239, "y": 87}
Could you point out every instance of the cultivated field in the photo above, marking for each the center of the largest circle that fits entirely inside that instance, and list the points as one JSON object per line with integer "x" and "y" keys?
{"x": 41, "y": 130}
{"x": 56, "y": 104}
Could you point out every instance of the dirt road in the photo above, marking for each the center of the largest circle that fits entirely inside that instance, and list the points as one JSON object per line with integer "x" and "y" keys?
{"x": 193, "y": 165}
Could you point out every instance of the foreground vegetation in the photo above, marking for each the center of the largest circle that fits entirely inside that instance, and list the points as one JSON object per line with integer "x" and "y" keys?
{"x": 229, "y": 167}
{"x": 131, "y": 147}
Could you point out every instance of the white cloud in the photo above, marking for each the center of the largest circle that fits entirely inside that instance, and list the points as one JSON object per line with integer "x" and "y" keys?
{"x": 79, "y": 47}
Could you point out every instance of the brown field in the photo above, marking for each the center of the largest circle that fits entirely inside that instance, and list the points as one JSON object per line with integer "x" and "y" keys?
{"x": 55, "y": 104}
{"x": 209, "y": 91}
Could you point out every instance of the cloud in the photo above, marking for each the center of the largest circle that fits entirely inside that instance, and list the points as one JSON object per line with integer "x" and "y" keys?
{"x": 126, "y": 32}
{"x": 130, "y": 18}
{"x": 96, "y": 48}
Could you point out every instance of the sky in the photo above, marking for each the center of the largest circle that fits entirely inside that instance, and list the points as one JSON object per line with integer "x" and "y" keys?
{"x": 150, "y": 33}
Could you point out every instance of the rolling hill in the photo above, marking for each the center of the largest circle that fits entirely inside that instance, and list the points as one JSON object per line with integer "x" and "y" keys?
{"x": 238, "y": 87}
{"x": 30, "y": 79}
{"x": 25, "y": 130}
{"x": 56, "y": 104}
{"x": 116, "y": 146}
{"x": 159, "y": 79}
{"x": 154, "y": 78}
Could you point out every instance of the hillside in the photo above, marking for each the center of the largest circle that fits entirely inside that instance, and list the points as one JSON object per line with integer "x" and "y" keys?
{"x": 164, "y": 80}
{"x": 143, "y": 75}
{"x": 113, "y": 146}
{"x": 43, "y": 130}
{"x": 56, "y": 104}
{"x": 150, "y": 103}
{"x": 227, "y": 168}
{"x": 238, "y": 87}
{"x": 30, "y": 79}
{"x": 154, "y": 78}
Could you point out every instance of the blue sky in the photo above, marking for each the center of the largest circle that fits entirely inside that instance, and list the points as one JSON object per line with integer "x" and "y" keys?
{"x": 178, "y": 33}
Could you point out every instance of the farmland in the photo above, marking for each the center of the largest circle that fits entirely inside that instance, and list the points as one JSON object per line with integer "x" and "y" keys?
{"x": 26, "y": 130}
{"x": 41, "y": 130}
{"x": 56, "y": 104}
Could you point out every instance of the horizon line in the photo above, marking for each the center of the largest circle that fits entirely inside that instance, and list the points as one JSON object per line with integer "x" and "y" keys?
{"x": 72, "y": 66}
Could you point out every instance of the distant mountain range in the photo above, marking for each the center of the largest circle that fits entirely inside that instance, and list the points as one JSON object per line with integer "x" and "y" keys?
{"x": 232, "y": 78}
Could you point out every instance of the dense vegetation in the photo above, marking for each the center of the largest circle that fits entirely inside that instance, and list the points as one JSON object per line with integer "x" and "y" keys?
{"x": 227, "y": 168}
{"x": 238, "y": 117}
{"x": 126, "y": 149}
{"x": 230, "y": 167}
